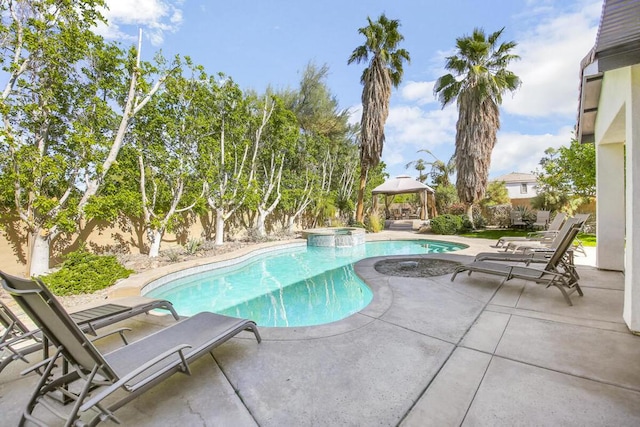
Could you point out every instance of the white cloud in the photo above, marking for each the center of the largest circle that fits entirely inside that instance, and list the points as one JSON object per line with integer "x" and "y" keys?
{"x": 421, "y": 92}
{"x": 550, "y": 61}
{"x": 418, "y": 128}
{"x": 515, "y": 152}
{"x": 552, "y": 44}
{"x": 155, "y": 17}
{"x": 411, "y": 128}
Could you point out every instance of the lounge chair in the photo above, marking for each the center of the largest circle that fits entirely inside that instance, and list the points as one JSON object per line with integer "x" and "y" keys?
{"x": 18, "y": 341}
{"x": 548, "y": 234}
{"x": 577, "y": 243}
{"x": 536, "y": 257}
{"x": 547, "y": 244}
{"x": 542, "y": 219}
{"x": 516, "y": 219}
{"x": 131, "y": 369}
{"x": 553, "y": 273}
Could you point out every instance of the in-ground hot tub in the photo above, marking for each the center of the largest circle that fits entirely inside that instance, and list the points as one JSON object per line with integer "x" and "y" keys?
{"x": 339, "y": 237}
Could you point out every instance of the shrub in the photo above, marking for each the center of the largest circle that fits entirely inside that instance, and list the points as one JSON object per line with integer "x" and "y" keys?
{"x": 478, "y": 222}
{"x": 445, "y": 196}
{"x": 192, "y": 246}
{"x": 375, "y": 223}
{"x": 446, "y": 224}
{"x": 526, "y": 213}
{"x": 499, "y": 215}
{"x": 457, "y": 209}
{"x": 354, "y": 223}
{"x": 173, "y": 255}
{"x": 83, "y": 272}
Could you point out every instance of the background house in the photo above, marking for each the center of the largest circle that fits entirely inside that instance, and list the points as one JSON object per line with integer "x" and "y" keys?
{"x": 522, "y": 187}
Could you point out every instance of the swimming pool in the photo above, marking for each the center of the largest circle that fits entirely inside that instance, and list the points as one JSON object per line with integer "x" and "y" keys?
{"x": 297, "y": 286}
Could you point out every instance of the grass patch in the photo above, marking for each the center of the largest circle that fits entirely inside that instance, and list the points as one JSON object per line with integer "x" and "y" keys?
{"x": 494, "y": 234}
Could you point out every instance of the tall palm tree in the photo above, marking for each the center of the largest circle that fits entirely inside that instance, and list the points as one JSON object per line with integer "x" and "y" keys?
{"x": 478, "y": 79}
{"x": 384, "y": 70}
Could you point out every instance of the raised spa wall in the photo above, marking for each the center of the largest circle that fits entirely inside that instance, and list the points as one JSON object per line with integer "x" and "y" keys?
{"x": 335, "y": 237}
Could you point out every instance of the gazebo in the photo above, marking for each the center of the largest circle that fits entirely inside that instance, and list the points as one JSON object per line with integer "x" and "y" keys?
{"x": 404, "y": 184}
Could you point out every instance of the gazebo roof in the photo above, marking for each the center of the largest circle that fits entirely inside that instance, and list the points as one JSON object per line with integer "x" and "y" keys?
{"x": 401, "y": 184}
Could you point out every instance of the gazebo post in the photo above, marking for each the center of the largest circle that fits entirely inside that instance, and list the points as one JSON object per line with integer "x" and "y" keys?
{"x": 424, "y": 194}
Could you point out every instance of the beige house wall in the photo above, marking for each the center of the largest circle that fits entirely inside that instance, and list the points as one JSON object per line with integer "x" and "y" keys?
{"x": 617, "y": 139}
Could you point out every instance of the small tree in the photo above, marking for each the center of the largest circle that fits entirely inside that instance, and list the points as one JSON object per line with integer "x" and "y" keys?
{"x": 445, "y": 195}
{"x": 496, "y": 194}
{"x": 567, "y": 177}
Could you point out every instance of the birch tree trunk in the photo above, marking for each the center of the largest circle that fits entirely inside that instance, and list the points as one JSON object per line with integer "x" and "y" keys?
{"x": 219, "y": 226}
{"x": 39, "y": 254}
{"x": 155, "y": 238}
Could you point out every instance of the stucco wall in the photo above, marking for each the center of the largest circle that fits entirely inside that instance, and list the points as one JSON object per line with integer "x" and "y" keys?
{"x": 100, "y": 238}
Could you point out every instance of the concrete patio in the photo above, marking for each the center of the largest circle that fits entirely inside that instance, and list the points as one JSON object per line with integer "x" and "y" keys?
{"x": 426, "y": 351}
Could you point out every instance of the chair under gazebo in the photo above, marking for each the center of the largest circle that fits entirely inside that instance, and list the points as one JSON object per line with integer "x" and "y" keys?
{"x": 404, "y": 184}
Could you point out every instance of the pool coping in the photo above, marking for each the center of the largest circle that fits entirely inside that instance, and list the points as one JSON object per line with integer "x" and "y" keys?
{"x": 377, "y": 282}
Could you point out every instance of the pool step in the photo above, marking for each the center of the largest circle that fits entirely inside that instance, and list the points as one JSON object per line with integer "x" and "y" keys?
{"x": 403, "y": 224}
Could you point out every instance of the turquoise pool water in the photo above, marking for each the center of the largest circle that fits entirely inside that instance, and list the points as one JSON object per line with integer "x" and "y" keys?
{"x": 300, "y": 286}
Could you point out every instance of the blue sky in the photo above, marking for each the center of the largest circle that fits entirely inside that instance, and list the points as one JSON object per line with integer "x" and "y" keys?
{"x": 270, "y": 42}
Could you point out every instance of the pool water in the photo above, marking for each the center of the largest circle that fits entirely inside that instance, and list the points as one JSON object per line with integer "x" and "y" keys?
{"x": 300, "y": 286}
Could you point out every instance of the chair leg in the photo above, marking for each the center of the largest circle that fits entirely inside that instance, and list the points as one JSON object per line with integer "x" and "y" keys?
{"x": 254, "y": 329}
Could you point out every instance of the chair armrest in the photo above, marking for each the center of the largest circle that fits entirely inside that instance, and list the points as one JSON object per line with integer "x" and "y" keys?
{"x": 119, "y": 331}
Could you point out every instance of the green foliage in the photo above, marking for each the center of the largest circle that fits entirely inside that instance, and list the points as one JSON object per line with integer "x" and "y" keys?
{"x": 440, "y": 172}
{"x": 446, "y": 195}
{"x": 567, "y": 177}
{"x": 496, "y": 194}
{"x": 446, "y": 224}
{"x": 193, "y": 245}
{"x": 526, "y": 213}
{"x": 83, "y": 272}
{"x": 384, "y": 70}
{"x": 457, "y": 209}
{"x": 569, "y": 170}
{"x": 499, "y": 215}
{"x": 477, "y": 80}
{"x": 478, "y": 222}
{"x": 375, "y": 223}
{"x": 357, "y": 224}
{"x": 173, "y": 255}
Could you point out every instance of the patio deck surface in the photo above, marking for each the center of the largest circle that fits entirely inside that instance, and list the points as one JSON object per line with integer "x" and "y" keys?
{"x": 426, "y": 351}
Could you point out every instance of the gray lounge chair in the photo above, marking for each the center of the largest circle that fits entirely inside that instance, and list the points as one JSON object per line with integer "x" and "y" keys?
{"x": 577, "y": 243}
{"x": 542, "y": 219}
{"x": 131, "y": 369}
{"x": 553, "y": 273}
{"x": 545, "y": 245}
{"x": 516, "y": 219}
{"x": 548, "y": 234}
{"x": 17, "y": 341}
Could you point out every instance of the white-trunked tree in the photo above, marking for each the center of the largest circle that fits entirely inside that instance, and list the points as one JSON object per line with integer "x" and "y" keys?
{"x": 66, "y": 108}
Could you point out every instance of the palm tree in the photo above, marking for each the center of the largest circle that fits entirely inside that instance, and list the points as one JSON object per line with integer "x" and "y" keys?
{"x": 478, "y": 80}
{"x": 440, "y": 171}
{"x": 419, "y": 165}
{"x": 384, "y": 70}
